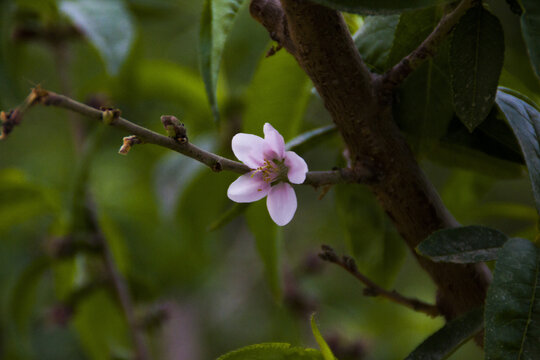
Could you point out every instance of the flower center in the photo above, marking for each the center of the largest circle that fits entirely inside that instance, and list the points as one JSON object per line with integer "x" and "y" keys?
{"x": 272, "y": 170}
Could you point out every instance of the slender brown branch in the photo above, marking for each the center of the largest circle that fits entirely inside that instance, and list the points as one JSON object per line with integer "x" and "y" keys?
{"x": 427, "y": 48}
{"x": 372, "y": 289}
{"x": 144, "y": 135}
{"x": 120, "y": 287}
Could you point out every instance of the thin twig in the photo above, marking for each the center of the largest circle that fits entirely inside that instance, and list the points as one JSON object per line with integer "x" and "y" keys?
{"x": 120, "y": 287}
{"x": 426, "y": 49}
{"x": 214, "y": 161}
{"x": 373, "y": 289}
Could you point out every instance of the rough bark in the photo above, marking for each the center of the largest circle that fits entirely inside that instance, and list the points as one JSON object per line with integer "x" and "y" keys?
{"x": 319, "y": 40}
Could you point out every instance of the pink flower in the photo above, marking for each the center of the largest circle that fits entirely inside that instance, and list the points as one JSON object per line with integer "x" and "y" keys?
{"x": 273, "y": 169}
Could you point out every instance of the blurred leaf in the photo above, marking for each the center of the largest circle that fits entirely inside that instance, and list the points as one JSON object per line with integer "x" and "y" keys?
{"x": 47, "y": 9}
{"x": 374, "y": 40}
{"x": 202, "y": 200}
{"x": 115, "y": 240}
{"x": 107, "y": 24}
{"x": 354, "y": 22}
{"x": 101, "y": 338}
{"x": 476, "y": 59}
{"x": 449, "y": 338}
{"x": 268, "y": 243}
{"x": 378, "y": 6}
{"x": 232, "y": 213}
{"x": 424, "y": 108}
{"x": 172, "y": 174}
{"x": 278, "y": 94}
{"x": 464, "y": 191}
{"x": 530, "y": 27}
{"x": 272, "y": 351}
{"x": 513, "y": 303}
{"x": 23, "y": 296}
{"x": 463, "y": 245}
{"x": 525, "y": 122}
{"x": 325, "y": 349}
{"x": 163, "y": 80}
{"x": 21, "y": 200}
{"x": 216, "y": 22}
{"x": 376, "y": 247}
{"x": 310, "y": 138}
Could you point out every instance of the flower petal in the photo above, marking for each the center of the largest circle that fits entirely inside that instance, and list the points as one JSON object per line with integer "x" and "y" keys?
{"x": 281, "y": 203}
{"x": 275, "y": 144}
{"x": 297, "y": 167}
{"x": 249, "y": 149}
{"x": 248, "y": 188}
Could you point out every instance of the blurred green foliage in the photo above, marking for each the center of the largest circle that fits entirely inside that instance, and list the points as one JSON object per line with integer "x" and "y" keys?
{"x": 156, "y": 208}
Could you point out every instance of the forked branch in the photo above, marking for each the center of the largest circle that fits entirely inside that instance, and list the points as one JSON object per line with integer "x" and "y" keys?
{"x": 372, "y": 289}
{"x": 427, "y": 48}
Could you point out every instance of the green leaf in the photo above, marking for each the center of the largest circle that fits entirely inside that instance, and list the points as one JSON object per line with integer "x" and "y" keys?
{"x": 376, "y": 247}
{"x": 232, "y": 213}
{"x": 216, "y": 22}
{"x": 325, "y": 349}
{"x": 492, "y": 149}
{"x": 201, "y": 201}
{"x": 268, "y": 243}
{"x": 98, "y": 337}
{"x": 374, "y": 40}
{"x": 310, "y": 138}
{"x": 278, "y": 94}
{"x": 107, "y": 24}
{"x": 163, "y": 80}
{"x": 424, "y": 108}
{"x": 378, "y": 6}
{"x": 451, "y": 336}
{"x": 46, "y": 9}
{"x": 530, "y": 27}
{"x": 513, "y": 304}
{"x": 172, "y": 174}
{"x": 23, "y": 296}
{"x": 463, "y": 245}
{"x": 525, "y": 122}
{"x": 22, "y": 199}
{"x": 272, "y": 351}
{"x": 476, "y": 60}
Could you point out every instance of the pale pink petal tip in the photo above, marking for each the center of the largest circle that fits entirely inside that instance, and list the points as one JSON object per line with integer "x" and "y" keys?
{"x": 281, "y": 203}
{"x": 248, "y": 188}
{"x": 297, "y": 167}
{"x": 249, "y": 149}
{"x": 275, "y": 142}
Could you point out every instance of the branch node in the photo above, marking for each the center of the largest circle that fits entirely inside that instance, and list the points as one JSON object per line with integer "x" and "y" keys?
{"x": 109, "y": 115}
{"x": 129, "y": 141}
{"x": 273, "y": 50}
{"x": 370, "y": 291}
{"x": 217, "y": 166}
{"x": 328, "y": 254}
{"x": 175, "y": 129}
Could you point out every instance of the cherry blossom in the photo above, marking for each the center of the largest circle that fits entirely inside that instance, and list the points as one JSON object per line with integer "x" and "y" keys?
{"x": 272, "y": 171}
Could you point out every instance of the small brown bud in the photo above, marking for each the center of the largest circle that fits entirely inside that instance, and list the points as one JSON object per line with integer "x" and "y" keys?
{"x": 129, "y": 141}
{"x": 175, "y": 129}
